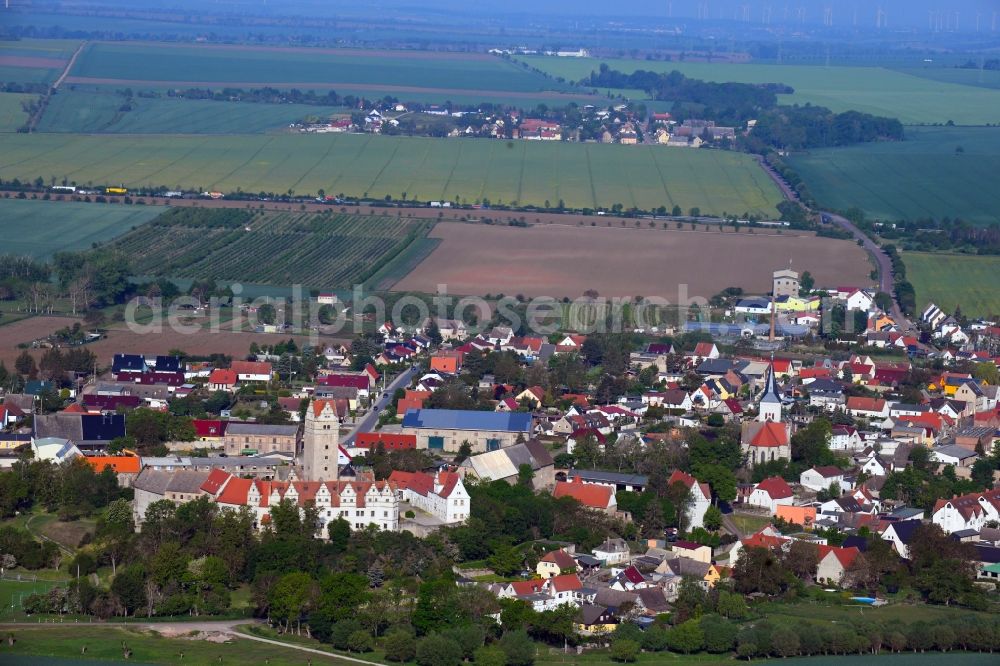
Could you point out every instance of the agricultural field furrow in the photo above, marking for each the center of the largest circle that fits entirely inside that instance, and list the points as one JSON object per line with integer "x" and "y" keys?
{"x": 318, "y": 249}
{"x": 589, "y": 175}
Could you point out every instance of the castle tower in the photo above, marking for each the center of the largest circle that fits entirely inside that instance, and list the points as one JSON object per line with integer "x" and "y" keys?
{"x": 321, "y": 442}
{"x": 770, "y": 400}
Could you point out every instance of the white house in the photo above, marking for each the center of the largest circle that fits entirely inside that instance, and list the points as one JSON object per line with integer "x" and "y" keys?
{"x": 967, "y": 512}
{"x": 821, "y": 478}
{"x": 845, "y": 438}
{"x": 442, "y": 495}
{"x": 701, "y": 498}
{"x": 901, "y": 535}
{"x": 770, "y": 493}
{"x": 613, "y": 551}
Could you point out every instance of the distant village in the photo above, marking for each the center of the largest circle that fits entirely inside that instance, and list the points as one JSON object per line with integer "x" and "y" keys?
{"x": 617, "y": 123}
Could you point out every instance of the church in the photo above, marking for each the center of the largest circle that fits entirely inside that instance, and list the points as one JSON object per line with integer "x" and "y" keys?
{"x": 768, "y": 437}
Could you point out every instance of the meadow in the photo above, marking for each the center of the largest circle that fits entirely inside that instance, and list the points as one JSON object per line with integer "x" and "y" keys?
{"x": 936, "y": 172}
{"x": 469, "y": 170}
{"x": 885, "y": 92}
{"x": 319, "y": 249}
{"x": 99, "y": 111}
{"x": 47, "y": 227}
{"x": 950, "y": 280}
{"x": 242, "y": 66}
{"x": 12, "y": 115}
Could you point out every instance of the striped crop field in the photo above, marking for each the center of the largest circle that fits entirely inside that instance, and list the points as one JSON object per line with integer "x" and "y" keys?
{"x": 318, "y": 249}
{"x": 581, "y": 175}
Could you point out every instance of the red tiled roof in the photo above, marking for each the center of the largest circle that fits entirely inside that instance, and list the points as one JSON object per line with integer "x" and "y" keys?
{"x": 216, "y": 479}
{"x": 360, "y": 382}
{"x": 223, "y": 376}
{"x": 391, "y": 441}
{"x": 771, "y": 434}
{"x": 566, "y": 582}
{"x": 845, "y": 556}
{"x": 251, "y": 367}
{"x": 523, "y": 588}
{"x": 75, "y": 408}
{"x": 588, "y": 494}
{"x": 235, "y": 492}
{"x": 866, "y": 404}
{"x": 776, "y": 487}
{"x": 560, "y": 558}
{"x": 689, "y": 481}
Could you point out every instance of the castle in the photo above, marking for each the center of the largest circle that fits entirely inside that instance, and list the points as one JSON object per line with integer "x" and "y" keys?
{"x": 316, "y": 480}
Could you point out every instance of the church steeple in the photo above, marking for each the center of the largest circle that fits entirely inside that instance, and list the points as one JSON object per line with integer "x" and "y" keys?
{"x": 769, "y": 408}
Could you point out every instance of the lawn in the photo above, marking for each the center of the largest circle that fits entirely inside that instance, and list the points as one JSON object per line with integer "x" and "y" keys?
{"x": 750, "y": 524}
{"x": 526, "y": 172}
{"x": 13, "y": 593}
{"x": 46, "y": 227}
{"x": 12, "y": 115}
{"x": 950, "y": 280}
{"x": 100, "y": 111}
{"x": 924, "y": 176}
{"x": 886, "y": 92}
{"x": 147, "y": 647}
{"x": 242, "y": 66}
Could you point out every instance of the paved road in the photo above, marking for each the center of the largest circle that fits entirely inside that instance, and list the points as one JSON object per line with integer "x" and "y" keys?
{"x": 369, "y": 420}
{"x": 882, "y": 262}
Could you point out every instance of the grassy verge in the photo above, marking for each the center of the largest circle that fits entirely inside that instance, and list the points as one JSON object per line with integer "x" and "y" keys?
{"x": 105, "y": 643}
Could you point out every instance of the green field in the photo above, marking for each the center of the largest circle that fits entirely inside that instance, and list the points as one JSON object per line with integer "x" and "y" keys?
{"x": 527, "y": 172}
{"x": 319, "y": 249}
{"x": 947, "y": 280}
{"x": 247, "y": 65}
{"x": 12, "y": 115}
{"x": 91, "y": 111}
{"x": 46, "y": 227}
{"x": 922, "y": 176}
{"x": 966, "y": 77}
{"x": 885, "y": 92}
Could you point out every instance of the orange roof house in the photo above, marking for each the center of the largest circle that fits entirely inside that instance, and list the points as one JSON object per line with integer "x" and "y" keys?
{"x": 125, "y": 467}
{"x": 589, "y": 494}
{"x": 448, "y": 362}
{"x": 798, "y": 515}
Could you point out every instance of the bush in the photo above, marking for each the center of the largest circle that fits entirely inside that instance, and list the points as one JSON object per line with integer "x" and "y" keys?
{"x": 720, "y": 635}
{"x": 625, "y": 650}
{"x": 490, "y": 655}
{"x": 518, "y": 647}
{"x": 436, "y": 650}
{"x": 399, "y": 645}
{"x": 360, "y": 641}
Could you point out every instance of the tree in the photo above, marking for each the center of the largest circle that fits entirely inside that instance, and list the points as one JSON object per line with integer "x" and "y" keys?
{"x": 291, "y": 597}
{"x": 806, "y": 283}
{"x": 713, "y": 518}
{"x": 802, "y": 559}
{"x": 518, "y": 647}
{"x": 115, "y": 531}
{"x": 811, "y": 445}
{"x": 686, "y": 637}
{"x": 625, "y": 651}
{"x": 758, "y": 570}
{"x": 399, "y": 645}
{"x": 720, "y": 635}
{"x": 785, "y": 642}
{"x": 436, "y": 650}
{"x": 25, "y": 365}
{"x": 129, "y": 589}
{"x": 360, "y": 641}
{"x": 732, "y": 606}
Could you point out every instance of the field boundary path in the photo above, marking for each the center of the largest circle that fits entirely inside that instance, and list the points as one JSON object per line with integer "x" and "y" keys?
{"x": 27, "y": 526}
{"x": 227, "y": 627}
{"x": 69, "y": 65}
